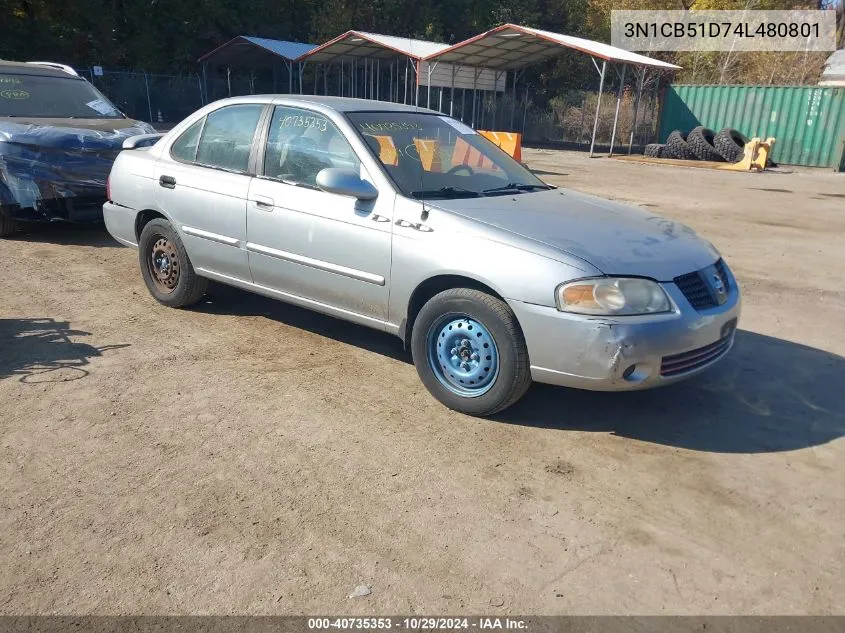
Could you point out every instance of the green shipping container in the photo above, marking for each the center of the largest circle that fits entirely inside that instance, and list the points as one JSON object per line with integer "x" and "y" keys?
{"x": 807, "y": 121}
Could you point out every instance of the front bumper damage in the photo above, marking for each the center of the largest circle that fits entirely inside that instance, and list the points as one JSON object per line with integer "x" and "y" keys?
{"x": 622, "y": 354}
{"x": 50, "y": 173}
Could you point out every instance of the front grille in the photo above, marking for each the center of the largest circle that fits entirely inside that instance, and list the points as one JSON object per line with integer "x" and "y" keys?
{"x": 696, "y": 288}
{"x": 677, "y": 364}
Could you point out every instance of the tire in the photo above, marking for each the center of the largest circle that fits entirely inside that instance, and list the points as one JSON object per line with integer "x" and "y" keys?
{"x": 730, "y": 144}
{"x": 654, "y": 150}
{"x": 700, "y": 142}
{"x": 486, "y": 323}
{"x": 7, "y": 226}
{"x": 677, "y": 147}
{"x": 166, "y": 267}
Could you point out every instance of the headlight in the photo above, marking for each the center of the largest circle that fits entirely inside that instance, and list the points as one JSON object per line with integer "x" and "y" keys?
{"x": 611, "y": 296}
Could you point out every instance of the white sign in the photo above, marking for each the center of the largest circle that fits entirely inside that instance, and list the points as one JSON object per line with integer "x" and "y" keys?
{"x": 101, "y": 106}
{"x": 98, "y": 71}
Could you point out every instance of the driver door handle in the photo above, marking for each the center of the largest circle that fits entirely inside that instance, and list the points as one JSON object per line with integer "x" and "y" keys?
{"x": 264, "y": 202}
{"x": 168, "y": 182}
{"x": 380, "y": 218}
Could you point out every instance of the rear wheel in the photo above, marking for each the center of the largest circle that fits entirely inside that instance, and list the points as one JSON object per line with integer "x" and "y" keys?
{"x": 166, "y": 268}
{"x": 469, "y": 352}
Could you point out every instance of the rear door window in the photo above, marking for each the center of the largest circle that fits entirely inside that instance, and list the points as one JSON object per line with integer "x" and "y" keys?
{"x": 185, "y": 147}
{"x": 227, "y": 136}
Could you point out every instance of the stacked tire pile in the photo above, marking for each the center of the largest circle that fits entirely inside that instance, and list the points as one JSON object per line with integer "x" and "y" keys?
{"x": 701, "y": 143}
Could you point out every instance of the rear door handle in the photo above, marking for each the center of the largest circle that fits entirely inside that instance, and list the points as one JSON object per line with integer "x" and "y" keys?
{"x": 264, "y": 202}
{"x": 168, "y": 182}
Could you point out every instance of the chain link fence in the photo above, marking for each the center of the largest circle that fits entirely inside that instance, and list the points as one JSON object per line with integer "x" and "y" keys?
{"x": 567, "y": 120}
{"x": 158, "y": 99}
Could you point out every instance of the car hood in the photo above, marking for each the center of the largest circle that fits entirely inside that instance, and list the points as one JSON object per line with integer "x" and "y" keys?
{"x": 69, "y": 159}
{"x": 615, "y": 238}
{"x": 80, "y": 134}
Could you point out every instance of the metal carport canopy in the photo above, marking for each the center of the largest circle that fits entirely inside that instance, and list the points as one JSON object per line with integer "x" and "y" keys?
{"x": 357, "y": 47}
{"x": 256, "y": 52}
{"x": 375, "y": 45}
{"x": 513, "y": 47}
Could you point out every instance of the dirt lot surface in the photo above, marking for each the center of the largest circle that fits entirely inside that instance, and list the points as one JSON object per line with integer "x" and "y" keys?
{"x": 250, "y": 457}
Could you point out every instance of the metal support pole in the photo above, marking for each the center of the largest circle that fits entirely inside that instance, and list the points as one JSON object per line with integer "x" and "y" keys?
{"x": 513, "y": 103}
{"x": 428, "y": 91}
{"x": 452, "y": 94}
{"x": 149, "y": 101}
{"x": 463, "y": 102}
{"x": 301, "y": 68}
{"x": 618, "y": 103}
{"x": 641, "y": 77}
{"x": 340, "y": 80}
{"x": 474, "y": 82}
{"x": 417, "y": 75}
{"x": 352, "y": 79}
{"x": 290, "y": 77}
{"x": 378, "y": 76}
{"x": 390, "y": 83}
{"x": 598, "y": 107}
{"x": 204, "y": 87}
{"x": 440, "y": 99}
{"x": 405, "y": 89}
{"x": 524, "y": 110}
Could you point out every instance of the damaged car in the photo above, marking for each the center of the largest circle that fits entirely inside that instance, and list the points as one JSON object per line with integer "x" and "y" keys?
{"x": 58, "y": 139}
{"x": 410, "y": 222}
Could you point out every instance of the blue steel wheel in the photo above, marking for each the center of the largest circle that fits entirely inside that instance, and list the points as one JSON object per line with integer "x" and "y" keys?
{"x": 469, "y": 351}
{"x": 463, "y": 355}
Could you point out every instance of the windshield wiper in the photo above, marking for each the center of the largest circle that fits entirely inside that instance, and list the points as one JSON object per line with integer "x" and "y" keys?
{"x": 515, "y": 186}
{"x": 446, "y": 192}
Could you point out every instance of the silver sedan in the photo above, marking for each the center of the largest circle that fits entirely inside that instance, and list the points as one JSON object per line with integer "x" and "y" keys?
{"x": 408, "y": 221}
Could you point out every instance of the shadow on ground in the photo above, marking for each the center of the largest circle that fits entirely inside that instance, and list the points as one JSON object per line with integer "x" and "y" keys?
{"x": 41, "y": 350}
{"x": 768, "y": 394}
{"x": 222, "y": 299}
{"x": 63, "y": 233}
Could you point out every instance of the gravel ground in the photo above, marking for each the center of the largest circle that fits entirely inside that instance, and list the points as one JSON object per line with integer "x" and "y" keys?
{"x": 251, "y": 457}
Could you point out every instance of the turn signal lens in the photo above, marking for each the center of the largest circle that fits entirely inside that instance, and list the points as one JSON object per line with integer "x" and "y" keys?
{"x": 611, "y": 296}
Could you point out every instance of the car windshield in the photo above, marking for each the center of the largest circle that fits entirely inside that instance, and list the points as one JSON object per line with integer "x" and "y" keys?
{"x": 434, "y": 156}
{"x": 40, "y": 96}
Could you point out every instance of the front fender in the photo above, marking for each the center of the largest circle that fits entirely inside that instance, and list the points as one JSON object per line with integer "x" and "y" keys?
{"x": 455, "y": 247}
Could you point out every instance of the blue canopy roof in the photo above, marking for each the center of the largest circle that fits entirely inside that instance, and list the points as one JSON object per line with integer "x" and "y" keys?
{"x": 234, "y": 50}
{"x": 290, "y": 50}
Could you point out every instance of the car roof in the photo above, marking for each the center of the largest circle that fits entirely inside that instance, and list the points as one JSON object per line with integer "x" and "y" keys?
{"x": 22, "y": 68}
{"x": 339, "y": 104}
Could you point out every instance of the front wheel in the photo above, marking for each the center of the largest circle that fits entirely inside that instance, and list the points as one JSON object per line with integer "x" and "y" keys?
{"x": 166, "y": 268}
{"x": 470, "y": 352}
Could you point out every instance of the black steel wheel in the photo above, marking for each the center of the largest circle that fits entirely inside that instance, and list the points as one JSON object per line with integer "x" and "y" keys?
{"x": 166, "y": 267}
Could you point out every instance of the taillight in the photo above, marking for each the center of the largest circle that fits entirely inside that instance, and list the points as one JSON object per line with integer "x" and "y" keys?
{"x": 108, "y": 188}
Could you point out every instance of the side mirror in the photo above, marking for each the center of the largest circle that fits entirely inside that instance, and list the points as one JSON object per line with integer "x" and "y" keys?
{"x": 345, "y": 182}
